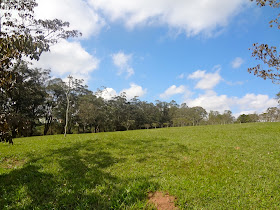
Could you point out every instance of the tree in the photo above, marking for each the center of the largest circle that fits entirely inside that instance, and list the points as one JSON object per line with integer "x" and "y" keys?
{"x": 73, "y": 88}
{"x": 197, "y": 114}
{"x": 55, "y": 105}
{"x": 22, "y": 35}
{"x": 273, "y": 114}
{"x": 265, "y": 53}
{"x": 22, "y": 105}
{"x": 248, "y": 118}
{"x": 90, "y": 111}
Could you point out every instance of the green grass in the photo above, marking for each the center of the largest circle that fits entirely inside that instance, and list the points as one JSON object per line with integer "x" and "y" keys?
{"x": 207, "y": 167}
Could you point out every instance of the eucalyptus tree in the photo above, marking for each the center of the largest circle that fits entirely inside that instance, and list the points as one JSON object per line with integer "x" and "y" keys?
{"x": 197, "y": 114}
{"x": 91, "y": 112}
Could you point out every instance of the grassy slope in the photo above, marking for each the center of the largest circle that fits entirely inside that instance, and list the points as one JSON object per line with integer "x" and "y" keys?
{"x": 213, "y": 167}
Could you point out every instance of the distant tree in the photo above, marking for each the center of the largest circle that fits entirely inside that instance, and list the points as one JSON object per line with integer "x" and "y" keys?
{"x": 227, "y": 117}
{"x": 128, "y": 123}
{"x": 197, "y": 114}
{"x": 147, "y": 126}
{"x": 265, "y": 53}
{"x": 163, "y": 111}
{"x": 90, "y": 111}
{"x": 213, "y": 117}
{"x": 248, "y": 118}
{"x": 273, "y": 114}
{"x": 173, "y": 108}
{"x": 155, "y": 124}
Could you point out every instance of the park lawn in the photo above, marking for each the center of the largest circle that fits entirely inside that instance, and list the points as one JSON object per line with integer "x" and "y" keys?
{"x": 204, "y": 167}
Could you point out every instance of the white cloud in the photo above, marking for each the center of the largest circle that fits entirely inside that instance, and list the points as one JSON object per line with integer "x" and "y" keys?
{"x": 259, "y": 102}
{"x": 107, "y": 93}
{"x": 211, "y": 101}
{"x": 192, "y": 17}
{"x": 173, "y": 90}
{"x": 234, "y": 83}
{"x": 249, "y": 103}
{"x": 68, "y": 58}
{"x": 122, "y": 61}
{"x": 79, "y": 13}
{"x": 131, "y": 92}
{"x": 237, "y": 62}
{"x": 207, "y": 81}
{"x": 134, "y": 90}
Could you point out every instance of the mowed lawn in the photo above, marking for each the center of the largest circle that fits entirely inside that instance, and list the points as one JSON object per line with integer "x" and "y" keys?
{"x": 206, "y": 167}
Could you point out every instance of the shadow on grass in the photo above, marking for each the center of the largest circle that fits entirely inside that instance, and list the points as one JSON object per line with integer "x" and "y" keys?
{"x": 71, "y": 178}
{"x": 153, "y": 149}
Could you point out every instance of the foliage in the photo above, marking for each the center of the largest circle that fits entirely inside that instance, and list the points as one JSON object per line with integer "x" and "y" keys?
{"x": 265, "y": 53}
{"x": 205, "y": 167}
{"x": 23, "y": 35}
{"x": 248, "y": 118}
{"x": 22, "y": 105}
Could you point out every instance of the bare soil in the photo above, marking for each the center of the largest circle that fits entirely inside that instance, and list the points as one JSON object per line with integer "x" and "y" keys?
{"x": 162, "y": 201}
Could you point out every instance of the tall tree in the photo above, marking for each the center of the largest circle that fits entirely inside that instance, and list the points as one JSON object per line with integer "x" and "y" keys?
{"x": 22, "y": 35}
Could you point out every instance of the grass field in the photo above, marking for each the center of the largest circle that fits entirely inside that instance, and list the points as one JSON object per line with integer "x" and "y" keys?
{"x": 206, "y": 167}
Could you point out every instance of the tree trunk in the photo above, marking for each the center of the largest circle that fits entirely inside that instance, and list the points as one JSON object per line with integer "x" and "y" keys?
{"x": 66, "y": 116}
{"x": 67, "y": 108}
{"x": 31, "y": 127}
{"x": 47, "y": 124}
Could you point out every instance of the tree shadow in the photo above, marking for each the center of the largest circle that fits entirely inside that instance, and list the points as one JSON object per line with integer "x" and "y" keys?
{"x": 75, "y": 177}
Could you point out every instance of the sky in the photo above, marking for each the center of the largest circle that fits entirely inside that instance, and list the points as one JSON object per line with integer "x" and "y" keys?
{"x": 193, "y": 52}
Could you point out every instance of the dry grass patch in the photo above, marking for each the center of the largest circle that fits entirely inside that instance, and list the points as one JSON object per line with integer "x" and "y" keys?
{"x": 12, "y": 163}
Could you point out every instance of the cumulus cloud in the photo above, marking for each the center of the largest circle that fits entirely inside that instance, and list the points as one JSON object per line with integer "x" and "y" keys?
{"x": 206, "y": 81}
{"x": 211, "y": 101}
{"x": 79, "y": 13}
{"x": 258, "y": 102}
{"x": 131, "y": 92}
{"x": 249, "y": 103}
{"x": 122, "y": 61}
{"x": 237, "y": 62}
{"x": 192, "y": 17}
{"x": 173, "y": 90}
{"x": 134, "y": 90}
{"x": 68, "y": 58}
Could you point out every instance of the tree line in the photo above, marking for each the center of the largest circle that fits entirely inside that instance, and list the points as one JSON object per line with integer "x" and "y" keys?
{"x": 37, "y": 105}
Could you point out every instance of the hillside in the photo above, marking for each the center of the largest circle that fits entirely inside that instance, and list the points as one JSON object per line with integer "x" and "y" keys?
{"x": 227, "y": 166}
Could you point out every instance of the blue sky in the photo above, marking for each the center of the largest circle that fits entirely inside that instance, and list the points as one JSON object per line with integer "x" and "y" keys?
{"x": 188, "y": 51}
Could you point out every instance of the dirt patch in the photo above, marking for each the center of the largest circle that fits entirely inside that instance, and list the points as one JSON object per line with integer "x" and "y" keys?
{"x": 162, "y": 201}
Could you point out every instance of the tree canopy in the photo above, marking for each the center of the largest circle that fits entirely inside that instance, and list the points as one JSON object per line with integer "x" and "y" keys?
{"x": 22, "y": 35}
